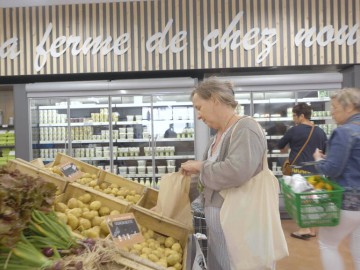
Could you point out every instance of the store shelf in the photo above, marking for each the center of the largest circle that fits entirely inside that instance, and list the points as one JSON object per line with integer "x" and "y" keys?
{"x": 77, "y": 106}
{"x": 78, "y": 124}
{"x": 273, "y": 119}
{"x": 322, "y": 99}
{"x": 156, "y": 157}
{"x": 7, "y": 146}
{"x": 156, "y": 104}
{"x": 274, "y": 137}
{"x": 51, "y": 142}
{"x": 158, "y": 140}
{"x": 278, "y": 155}
{"x": 141, "y": 175}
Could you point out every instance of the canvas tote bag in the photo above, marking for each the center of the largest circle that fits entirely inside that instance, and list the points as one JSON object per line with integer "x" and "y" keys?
{"x": 173, "y": 199}
{"x": 250, "y": 219}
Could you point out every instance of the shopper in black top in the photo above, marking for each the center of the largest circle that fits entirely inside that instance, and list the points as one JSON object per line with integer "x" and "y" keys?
{"x": 295, "y": 138}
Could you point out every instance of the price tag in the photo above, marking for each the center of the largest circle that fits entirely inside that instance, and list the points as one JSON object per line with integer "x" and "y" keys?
{"x": 124, "y": 229}
{"x": 70, "y": 170}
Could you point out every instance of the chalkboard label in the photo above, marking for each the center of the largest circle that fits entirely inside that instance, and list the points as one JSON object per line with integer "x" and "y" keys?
{"x": 70, "y": 170}
{"x": 124, "y": 229}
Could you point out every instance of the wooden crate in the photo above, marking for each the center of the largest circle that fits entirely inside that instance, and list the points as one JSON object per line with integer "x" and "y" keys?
{"x": 38, "y": 163}
{"x": 164, "y": 226}
{"x": 82, "y": 166}
{"x": 149, "y": 199}
{"x": 122, "y": 182}
{"x": 74, "y": 190}
{"x": 28, "y": 169}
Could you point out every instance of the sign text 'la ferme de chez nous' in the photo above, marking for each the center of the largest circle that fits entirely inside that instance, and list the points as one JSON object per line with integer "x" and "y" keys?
{"x": 172, "y": 39}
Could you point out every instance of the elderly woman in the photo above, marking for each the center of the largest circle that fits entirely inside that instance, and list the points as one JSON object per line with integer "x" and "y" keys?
{"x": 342, "y": 164}
{"x": 234, "y": 155}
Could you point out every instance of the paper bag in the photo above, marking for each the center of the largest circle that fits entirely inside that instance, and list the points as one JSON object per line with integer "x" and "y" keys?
{"x": 173, "y": 199}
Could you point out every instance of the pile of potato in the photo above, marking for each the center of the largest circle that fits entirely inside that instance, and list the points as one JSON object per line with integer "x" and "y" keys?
{"x": 165, "y": 251}
{"x": 85, "y": 216}
{"x": 110, "y": 188}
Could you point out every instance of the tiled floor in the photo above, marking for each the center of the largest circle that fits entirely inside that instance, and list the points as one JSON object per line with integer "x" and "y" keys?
{"x": 305, "y": 255}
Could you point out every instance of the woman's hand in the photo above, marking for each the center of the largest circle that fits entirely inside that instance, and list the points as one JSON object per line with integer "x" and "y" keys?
{"x": 191, "y": 167}
{"x": 318, "y": 155}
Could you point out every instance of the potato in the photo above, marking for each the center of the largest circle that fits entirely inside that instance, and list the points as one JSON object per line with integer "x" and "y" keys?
{"x": 176, "y": 247}
{"x": 84, "y": 224}
{"x": 169, "y": 241}
{"x": 76, "y": 212}
{"x": 62, "y": 217}
{"x": 72, "y": 203}
{"x": 91, "y": 233}
{"x": 104, "y": 227}
{"x": 114, "y": 212}
{"x": 86, "y": 198}
{"x": 95, "y": 205}
{"x": 103, "y": 185}
{"x": 86, "y": 175}
{"x": 60, "y": 207}
{"x": 104, "y": 211}
{"x": 173, "y": 259}
{"x": 178, "y": 266}
{"x": 73, "y": 221}
{"x": 96, "y": 221}
{"x": 93, "y": 183}
{"x": 153, "y": 257}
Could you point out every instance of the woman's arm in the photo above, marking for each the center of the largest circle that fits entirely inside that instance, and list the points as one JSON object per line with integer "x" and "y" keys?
{"x": 337, "y": 154}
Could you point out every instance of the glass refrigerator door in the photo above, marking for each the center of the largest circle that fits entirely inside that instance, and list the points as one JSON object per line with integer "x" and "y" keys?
{"x": 49, "y": 127}
{"x": 173, "y": 132}
{"x": 273, "y": 110}
{"x": 132, "y": 137}
{"x": 90, "y": 131}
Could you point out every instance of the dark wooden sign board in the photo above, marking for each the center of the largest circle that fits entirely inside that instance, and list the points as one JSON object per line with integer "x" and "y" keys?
{"x": 70, "y": 170}
{"x": 124, "y": 229}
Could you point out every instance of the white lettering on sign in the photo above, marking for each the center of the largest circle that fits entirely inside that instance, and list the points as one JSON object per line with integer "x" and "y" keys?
{"x": 327, "y": 35}
{"x": 163, "y": 41}
{"x": 250, "y": 40}
{"x": 59, "y": 46}
{"x": 158, "y": 40}
{"x": 9, "y": 48}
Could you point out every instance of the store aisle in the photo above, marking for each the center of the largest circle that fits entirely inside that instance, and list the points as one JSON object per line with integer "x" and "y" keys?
{"x": 305, "y": 255}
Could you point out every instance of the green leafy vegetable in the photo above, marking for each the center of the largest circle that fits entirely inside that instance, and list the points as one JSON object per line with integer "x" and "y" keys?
{"x": 19, "y": 195}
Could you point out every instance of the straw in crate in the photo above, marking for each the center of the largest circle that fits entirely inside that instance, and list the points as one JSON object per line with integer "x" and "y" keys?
{"x": 313, "y": 208}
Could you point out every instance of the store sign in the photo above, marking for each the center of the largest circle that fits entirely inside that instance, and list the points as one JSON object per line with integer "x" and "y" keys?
{"x": 70, "y": 170}
{"x": 173, "y": 42}
{"x": 9, "y": 48}
{"x": 231, "y": 38}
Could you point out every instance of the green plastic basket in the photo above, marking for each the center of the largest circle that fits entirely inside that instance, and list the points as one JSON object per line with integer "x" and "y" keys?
{"x": 313, "y": 209}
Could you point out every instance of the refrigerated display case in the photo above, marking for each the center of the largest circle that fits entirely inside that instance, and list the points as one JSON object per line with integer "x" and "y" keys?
{"x": 155, "y": 134}
{"x": 273, "y": 111}
{"x": 140, "y": 134}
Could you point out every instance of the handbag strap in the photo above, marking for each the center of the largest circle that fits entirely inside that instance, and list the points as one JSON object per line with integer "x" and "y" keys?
{"x": 303, "y": 147}
{"x": 265, "y": 161}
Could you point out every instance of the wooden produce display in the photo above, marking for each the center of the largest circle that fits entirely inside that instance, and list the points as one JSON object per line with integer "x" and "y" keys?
{"x": 25, "y": 168}
{"x": 163, "y": 227}
{"x": 149, "y": 200}
{"x": 82, "y": 166}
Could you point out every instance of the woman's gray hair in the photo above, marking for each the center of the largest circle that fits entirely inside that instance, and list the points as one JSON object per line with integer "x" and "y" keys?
{"x": 347, "y": 97}
{"x": 217, "y": 89}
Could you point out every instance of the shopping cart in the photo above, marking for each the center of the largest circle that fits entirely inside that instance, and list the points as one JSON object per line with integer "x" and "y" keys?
{"x": 200, "y": 225}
